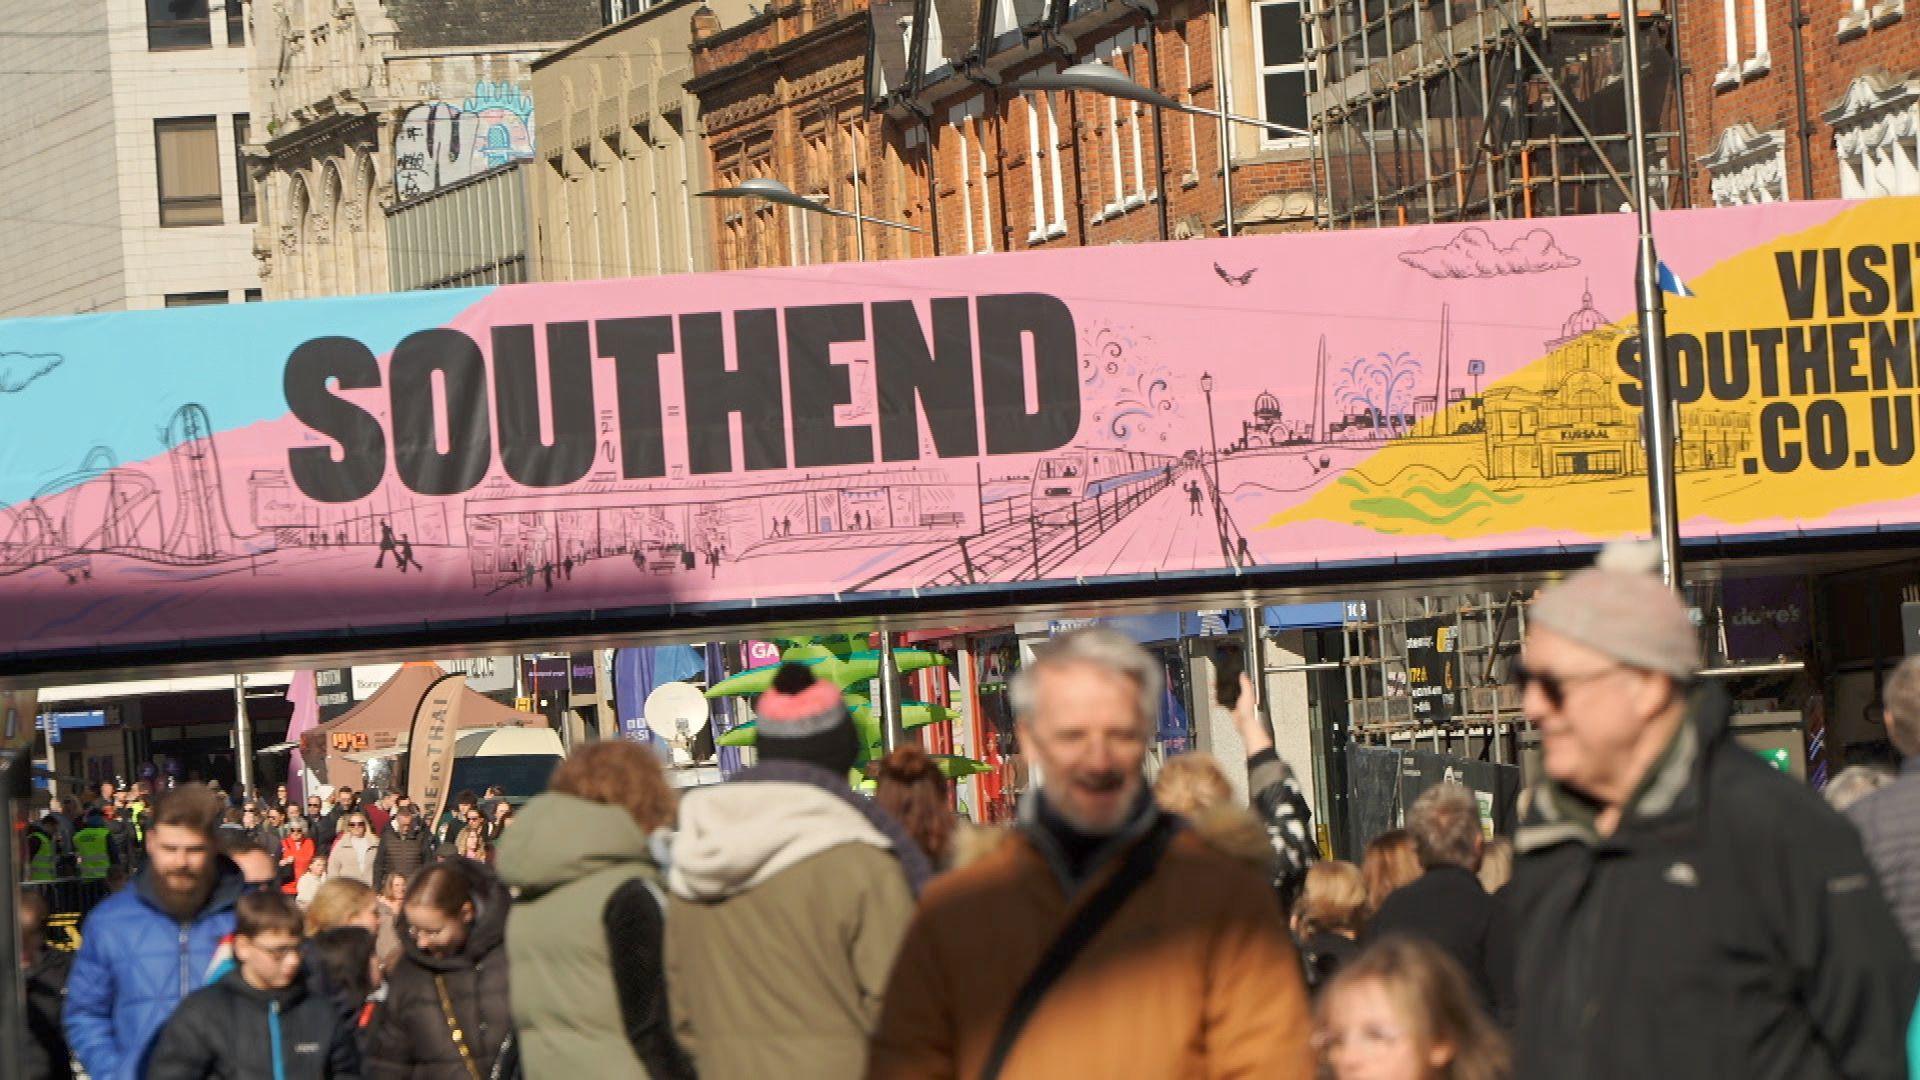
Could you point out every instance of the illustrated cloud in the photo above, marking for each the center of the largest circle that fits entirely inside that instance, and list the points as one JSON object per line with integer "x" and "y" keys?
{"x": 19, "y": 370}
{"x": 1473, "y": 254}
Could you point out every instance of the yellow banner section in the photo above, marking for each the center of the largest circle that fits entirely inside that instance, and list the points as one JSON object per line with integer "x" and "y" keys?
{"x": 1794, "y": 370}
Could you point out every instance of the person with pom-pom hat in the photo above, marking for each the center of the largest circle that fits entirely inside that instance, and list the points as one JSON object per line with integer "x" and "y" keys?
{"x": 1683, "y": 909}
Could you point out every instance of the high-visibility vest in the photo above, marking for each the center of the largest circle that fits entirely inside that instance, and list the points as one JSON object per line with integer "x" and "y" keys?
{"x": 95, "y": 853}
{"x": 137, "y": 817}
{"x": 40, "y": 865}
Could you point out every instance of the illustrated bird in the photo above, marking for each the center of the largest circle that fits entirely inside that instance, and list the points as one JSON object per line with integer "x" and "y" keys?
{"x": 1235, "y": 280}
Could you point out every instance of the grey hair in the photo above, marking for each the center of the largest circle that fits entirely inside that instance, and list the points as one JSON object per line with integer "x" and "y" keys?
{"x": 1102, "y": 648}
{"x": 1902, "y": 696}
{"x": 1854, "y": 783}
{"x": 1445, "y": 825}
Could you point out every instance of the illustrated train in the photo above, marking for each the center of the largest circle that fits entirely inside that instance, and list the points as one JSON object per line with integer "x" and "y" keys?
{"x": 1063, "y": 478}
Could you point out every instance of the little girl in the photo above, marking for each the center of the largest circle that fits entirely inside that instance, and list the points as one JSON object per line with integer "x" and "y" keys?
{"x": 1402, "y": 1010}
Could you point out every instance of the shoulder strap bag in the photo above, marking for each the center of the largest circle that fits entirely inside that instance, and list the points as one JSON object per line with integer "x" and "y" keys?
{"x": 1092, "y": 917}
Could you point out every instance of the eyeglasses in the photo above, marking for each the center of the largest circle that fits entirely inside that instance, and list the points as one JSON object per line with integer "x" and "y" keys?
{"x": 1367, "y": 1039}
{"x": 1553, "y": 685}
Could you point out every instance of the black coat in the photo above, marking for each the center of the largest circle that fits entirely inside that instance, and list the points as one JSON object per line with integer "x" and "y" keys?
{"x": 1448, "y": 907}
{"x": 400, "y": 854}
{"x": 409, "y": 1037}
{"x": 225, "y": 1031}
{"x": 46, "y": 1055}
{"x": 1729, "y": 927}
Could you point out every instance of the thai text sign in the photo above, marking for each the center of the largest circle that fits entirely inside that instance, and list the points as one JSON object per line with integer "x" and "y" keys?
{"x": 400, "y": 462}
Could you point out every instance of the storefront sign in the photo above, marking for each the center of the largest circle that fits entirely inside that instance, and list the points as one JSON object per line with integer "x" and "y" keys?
{"x": 583, "y": 678}
{"x": 1430, "y": 670}
{"x": 1767, "y": 619}
{"x": 415, "y": 462}
{"x": 333, "y": 692}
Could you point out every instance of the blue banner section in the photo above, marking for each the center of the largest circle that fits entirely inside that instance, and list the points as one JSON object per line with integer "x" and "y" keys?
{"x": 80, "y": 405}
{"x": 1174, "y": 625}
{"x": 721, "y": 710}
{"x": 636, "y": 672}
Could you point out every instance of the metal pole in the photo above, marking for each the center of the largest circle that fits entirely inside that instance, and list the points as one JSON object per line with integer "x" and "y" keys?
{"x": 1223, "y": 83}
{"x": 859, "y": 211}
{"x": 242, "y": 737}
{"x": 891, "y": 734}
{"x": 12, "y": 993}
{"x": 1660, "y": 418}
{"x": 1257, "y": 660}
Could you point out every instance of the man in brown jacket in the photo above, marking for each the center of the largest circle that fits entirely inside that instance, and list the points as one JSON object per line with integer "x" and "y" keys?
{"x": 1194, "y": 973}
{"x": 789, "y": 896}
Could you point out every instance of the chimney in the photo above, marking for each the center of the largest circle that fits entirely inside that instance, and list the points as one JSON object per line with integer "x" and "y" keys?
{"x": 705, "y": 22}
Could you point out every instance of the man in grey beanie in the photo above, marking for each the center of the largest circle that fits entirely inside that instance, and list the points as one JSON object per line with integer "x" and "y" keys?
{"x": 1683, "y": 909}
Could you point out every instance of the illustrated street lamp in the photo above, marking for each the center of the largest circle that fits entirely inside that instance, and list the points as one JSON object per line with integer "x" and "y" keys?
{"x": 1105, "y": 79}
{"x": 767, "y": 189}
{"x": 1219, "y": 512}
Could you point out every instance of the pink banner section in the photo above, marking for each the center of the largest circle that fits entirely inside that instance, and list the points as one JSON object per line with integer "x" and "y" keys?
{"x": 1231, "y": 406}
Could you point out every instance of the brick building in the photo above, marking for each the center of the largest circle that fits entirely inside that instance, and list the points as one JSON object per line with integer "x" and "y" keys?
{"x": 1802, "y": 99}
{"x": 361, "y": 105}
{"x": 951, "y": 149}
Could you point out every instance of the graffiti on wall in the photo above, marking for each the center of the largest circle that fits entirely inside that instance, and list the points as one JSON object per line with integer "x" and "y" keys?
{"x": 440, "y": 143}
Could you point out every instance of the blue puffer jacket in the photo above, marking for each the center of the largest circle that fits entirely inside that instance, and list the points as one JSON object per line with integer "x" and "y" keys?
{"x": 136, "y": 964}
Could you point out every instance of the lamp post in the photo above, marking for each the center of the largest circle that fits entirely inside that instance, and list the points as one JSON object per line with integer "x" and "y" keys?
{"x": 1660, "y": 419}
{"x": 1105, "y": 79}
{"x": 1213, "y": 440}
{"x": 767, "y": 189}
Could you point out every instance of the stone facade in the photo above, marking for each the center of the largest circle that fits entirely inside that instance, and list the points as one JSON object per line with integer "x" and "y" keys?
{"x": 621, "y": 155}
{"x": 1839, "y": 120}
{"x": 87, "y": 88}
{"x": 369, "y": 103}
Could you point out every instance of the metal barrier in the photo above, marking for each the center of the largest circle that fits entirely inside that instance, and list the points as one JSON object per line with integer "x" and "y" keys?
{"x": 69, "y": 899}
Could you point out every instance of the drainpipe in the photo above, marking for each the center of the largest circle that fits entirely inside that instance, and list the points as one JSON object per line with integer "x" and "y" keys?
{"x": 1802, "y": 120}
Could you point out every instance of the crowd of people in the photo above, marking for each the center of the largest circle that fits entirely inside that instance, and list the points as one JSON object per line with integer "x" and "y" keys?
{"x": 1669, "y": 906}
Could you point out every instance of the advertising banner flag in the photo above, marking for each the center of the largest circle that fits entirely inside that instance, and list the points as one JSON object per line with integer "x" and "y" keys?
{"x": 431, "y": 743}
{"x": 608, "y": 451}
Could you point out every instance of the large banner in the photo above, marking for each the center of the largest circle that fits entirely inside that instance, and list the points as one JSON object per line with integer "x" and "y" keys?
{"x": 470, "y": 457}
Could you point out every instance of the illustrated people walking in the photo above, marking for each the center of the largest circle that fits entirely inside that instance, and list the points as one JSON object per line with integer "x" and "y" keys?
{"x": 405, "y": 555}
{"x": 1194, "y": 497}
{"x": 1682, "y": 908}
{"x": 1124, "y": 942}
{"x": 387, "y": 545}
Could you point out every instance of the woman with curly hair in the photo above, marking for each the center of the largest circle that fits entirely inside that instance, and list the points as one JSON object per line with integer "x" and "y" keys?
{"x": 911, "y": 787}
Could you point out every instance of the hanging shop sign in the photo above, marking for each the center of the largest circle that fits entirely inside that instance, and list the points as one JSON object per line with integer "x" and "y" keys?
{"x": 1431, "y": 681}
{"x": 601, "y": 452}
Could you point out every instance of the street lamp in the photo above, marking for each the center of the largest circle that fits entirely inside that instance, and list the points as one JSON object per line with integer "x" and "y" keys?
{"x": 1105, "y": 79}
{"x": 1111, "y": 81}
{"x": 1662, "y": 495}
{"x": 767, "y": 189}
{"x": 1219, "y": 512}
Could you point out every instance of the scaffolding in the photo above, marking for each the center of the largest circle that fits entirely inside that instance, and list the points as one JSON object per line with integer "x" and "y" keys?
{"x": 1462, "y": 110}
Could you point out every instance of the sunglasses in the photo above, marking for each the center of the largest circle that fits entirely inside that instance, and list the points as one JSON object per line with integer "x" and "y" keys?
{"x": 358, "y": 824}
{"x": 1553, "y": 686}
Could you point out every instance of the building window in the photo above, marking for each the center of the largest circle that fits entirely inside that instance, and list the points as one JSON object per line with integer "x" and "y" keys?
{"x": 1755, "y": 63}
{"x": 1286, "y": 78}
{"x": 178, "y": 24}
{"x": 1748, "y": 166}
{"x": 976, "y": 194}
{"x": 1125, "y": 150}
{"x": 1044, "y": 153}
{"x": 188, "y": 153}
{"x": 195, "y": 299}
{"x": 1876, "y": 136}
{"x": 242, "y": 124}
{"x": 236, "y": 24}
{"x": 253, "y": 296}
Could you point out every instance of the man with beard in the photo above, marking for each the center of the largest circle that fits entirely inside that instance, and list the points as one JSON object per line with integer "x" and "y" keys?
{"x": 1100, "y": 936}
{"x": 149, "y": 945}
